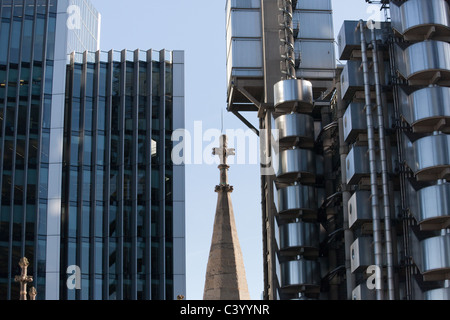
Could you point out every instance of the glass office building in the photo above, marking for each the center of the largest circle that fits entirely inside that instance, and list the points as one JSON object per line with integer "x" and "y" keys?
{"x": 119, "y": 221}
{"x": 46, "y": 123}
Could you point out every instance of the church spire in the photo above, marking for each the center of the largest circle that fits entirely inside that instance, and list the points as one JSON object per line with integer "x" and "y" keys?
{"x": 225, "y": 274}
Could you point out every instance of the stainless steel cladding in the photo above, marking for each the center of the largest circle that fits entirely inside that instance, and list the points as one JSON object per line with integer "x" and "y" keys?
{"x": 427, "y": 109}
{"x": 358, "y": 164}
{"x": 315, "y": 44}
{"x": 300, "y": 275}
{"x": 349, "y": 41}
{"x": 299, "y": 237}
{"x": 359, "y": 210}
{"x": 293, "y": 95}
{"x": 424, "y": 63}
{"x": 298, "y": 201}
{"x": 431, "y": 206}
{"x": 352, "y": 79}
{"x": 361, "y": 254}
{"x": 419, "y": 20}
{"x": 431, "y": 159}
{"x": 434, "y": 262}
{"x": 355, "y": 120}
{"x": 296, "y": 165}
{"x": 295, "y": 129}
{"x": 244, "y": 39}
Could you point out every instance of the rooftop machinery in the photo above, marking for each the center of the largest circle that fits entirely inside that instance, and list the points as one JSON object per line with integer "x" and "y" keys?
{"x": 357, "y": 204}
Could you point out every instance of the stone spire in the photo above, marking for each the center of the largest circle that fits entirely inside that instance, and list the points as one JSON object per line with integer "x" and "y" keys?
{"x": 225, "y": 273}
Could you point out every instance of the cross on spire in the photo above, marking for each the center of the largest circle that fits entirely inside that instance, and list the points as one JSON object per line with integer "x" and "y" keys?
{"x": 223, "y": 152}
{"x": 23, "y": 278}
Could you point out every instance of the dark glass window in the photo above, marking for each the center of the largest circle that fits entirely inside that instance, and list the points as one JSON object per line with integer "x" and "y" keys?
{"x": 73, "y": 214}
{"x": 103, "y": 77}
{"x": 6, "y": 8}
{"x": 39, "y": 38}
{"x": 101, "y": 114}
{"x": 15, "y": 42}
{"x": 90, "y": 81}
{"x": 86, "y": 222}
{"x": 51, "y": 37}
{"x": 29, "y": 7}
{"x": 75, "y": 119}
{"x": 4, "y": 38}
{"x": 27, "y": 40}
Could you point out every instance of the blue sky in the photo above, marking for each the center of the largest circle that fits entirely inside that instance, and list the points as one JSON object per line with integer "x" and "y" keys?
{"x": 198, "y": 28}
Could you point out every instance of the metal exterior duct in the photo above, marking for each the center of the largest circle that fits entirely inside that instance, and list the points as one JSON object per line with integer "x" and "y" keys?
{"x": 358, "y": 164}
{"x": 355, "y": 120}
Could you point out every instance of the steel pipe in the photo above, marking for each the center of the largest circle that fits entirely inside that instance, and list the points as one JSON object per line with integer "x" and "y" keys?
{"x": 378, "y": 251}
{"x": 384, "y": 172}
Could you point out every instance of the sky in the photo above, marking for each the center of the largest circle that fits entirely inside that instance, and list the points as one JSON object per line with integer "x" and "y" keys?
{"x": 198, "y": 28}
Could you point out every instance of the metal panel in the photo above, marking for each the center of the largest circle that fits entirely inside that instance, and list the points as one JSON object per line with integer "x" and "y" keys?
{"x": 309, "y": 21}
{"x": 300, "y": 275}
{"x": 293, "y": 94}
{"x": 357, "y": 162}
{"x": 362, "y": 255}
{"x": 314, "y": 5}
{"x": 419, "y": 20}
{"x": 318, "y": 55}
{"x": 431, "y": 159}
{"x": 245, "y": 23}
{"x": 425, "y": 63}
{"x": 349, "y": 39}
{"x": 360, "y": 207}
{"x": 427, "y": 109}
{"x": 297, "y": 201}
{"x": 295, "y": 129}
{"x": 296, "y": 165}
{"x": 299, "y": 238}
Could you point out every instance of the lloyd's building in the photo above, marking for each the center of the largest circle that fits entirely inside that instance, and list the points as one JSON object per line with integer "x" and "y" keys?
{"x": 86, "y": 174}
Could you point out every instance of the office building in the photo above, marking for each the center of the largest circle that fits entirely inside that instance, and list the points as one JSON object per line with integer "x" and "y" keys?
{"x": 354, "y": 175}
{"x": 57, "y": 144}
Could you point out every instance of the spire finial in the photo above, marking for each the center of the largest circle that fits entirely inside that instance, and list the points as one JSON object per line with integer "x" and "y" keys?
{"x": 223, "y": 152}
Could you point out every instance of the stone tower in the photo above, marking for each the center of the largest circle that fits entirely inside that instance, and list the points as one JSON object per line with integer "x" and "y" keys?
{"x": 225, "y": 273}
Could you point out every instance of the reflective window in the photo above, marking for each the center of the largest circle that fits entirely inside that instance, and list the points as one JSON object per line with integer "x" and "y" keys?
{"x": 4, "y": 38}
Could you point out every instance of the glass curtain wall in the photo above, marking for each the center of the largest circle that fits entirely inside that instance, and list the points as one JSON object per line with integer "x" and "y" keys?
{"x": 117, "y": 217}
{"x": 27, "y": 39}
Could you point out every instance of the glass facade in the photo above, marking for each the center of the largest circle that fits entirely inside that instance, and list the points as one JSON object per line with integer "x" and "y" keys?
{"x": 85, "y": 169}
{"x": 27, "y": 39}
